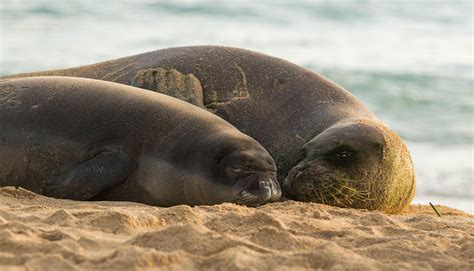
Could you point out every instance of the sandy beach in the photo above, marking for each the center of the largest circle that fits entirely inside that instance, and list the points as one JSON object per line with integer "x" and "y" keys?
{"x": 40, "y": 233}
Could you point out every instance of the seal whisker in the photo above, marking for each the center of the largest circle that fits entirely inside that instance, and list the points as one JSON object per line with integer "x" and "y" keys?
{"x": 337, "y": 200}
{"x": 347, "y": 198}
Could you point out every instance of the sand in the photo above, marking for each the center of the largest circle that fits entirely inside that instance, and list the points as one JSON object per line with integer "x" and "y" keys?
{"x": 40, "y": 233}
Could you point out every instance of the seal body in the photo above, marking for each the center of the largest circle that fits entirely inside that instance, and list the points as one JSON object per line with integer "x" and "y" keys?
{"x": 86, "y": 139}
{"x": 286, "y": 108}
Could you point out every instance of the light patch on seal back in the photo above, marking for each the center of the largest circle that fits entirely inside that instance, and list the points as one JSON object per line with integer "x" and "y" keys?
{"x": 171, "y": 82}
{"x": 9, "y": 97}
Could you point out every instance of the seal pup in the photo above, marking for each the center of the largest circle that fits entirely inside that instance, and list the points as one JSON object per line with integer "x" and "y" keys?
{"x": 290, "y": 111}
{"x": 85, "y": 139}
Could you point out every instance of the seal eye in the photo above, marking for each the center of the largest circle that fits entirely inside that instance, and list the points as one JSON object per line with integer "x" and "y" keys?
{"x": 241, "y": 169}
{"x": 219, "y": 157}
{"x": 239, "y": 172}
{"x": 341, "y": 155}
{"x": 302, "y": 153}
{"x": 344, "y": 154}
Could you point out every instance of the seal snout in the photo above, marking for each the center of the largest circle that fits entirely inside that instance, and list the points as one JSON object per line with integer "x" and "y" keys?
{"x": 308, "y": 179}
{"x": 260, "y": 191}
{"x": 268, "y": 189}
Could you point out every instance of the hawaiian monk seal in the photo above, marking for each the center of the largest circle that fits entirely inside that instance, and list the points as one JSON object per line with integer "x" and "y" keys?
{"x": 87, "y": 139}
{"x": 327, "y": 145}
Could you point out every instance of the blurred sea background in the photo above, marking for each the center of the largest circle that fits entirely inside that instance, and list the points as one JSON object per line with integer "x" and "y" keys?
{"x": 411, "y": 62}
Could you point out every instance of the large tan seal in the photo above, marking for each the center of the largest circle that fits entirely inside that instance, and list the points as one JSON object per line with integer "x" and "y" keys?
{"x": 327, "y": 145}
{"x": 87, "y": 139}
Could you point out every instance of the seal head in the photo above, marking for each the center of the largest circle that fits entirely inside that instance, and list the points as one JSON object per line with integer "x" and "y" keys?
{"x": 248, "y": 171}
{"x": 357, "y": 163}
{"x": 221, "y": 167}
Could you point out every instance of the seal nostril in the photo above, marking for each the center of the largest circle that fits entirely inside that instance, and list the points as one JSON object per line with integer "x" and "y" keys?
{"x": 264, "y": 186}
{"x": 264, "y": 183}
{"x": 268, "y": 188}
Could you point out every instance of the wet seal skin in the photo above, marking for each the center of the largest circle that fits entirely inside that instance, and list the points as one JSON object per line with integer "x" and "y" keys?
{"x": 291, "y": 111}
{"x": 85, "y": 139}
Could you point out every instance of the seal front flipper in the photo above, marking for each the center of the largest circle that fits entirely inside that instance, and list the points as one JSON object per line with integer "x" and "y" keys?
{"x": 187, "y": 87}
{"x": 86, "y": 180}
{"x": 171, "y": 82}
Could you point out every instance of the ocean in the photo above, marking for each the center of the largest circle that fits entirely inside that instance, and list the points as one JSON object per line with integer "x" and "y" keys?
{"x": 411, "y": 62}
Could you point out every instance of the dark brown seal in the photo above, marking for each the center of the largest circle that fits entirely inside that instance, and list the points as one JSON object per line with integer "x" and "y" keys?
{"x": 87, "y": 139}
{"x": 327, "y": 145}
